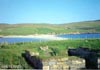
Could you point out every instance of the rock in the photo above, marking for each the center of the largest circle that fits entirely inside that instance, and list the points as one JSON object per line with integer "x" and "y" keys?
{"x": 34, "y": 53}
{"x": 55, "y": 67}
{"x": 44, "y": 48}
{"x": 64, "y": 59}
{"x": 45, "y": 67}
{"x": 58, "y": 59}
{"x": 65, "y": 67}
{"x": 52, "y": 63}
{"x": 45, "y": 63}
{"x": 60, "y": 67}
{"x": 60, "y": 63}
{"x": 76, "y": 62}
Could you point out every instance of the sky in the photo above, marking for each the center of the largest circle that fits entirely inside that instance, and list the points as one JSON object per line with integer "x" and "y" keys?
{"x": 48, "y": 11}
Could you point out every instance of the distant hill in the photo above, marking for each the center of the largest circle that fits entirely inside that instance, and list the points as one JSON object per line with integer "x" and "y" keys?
{"x": 31, "y": 29}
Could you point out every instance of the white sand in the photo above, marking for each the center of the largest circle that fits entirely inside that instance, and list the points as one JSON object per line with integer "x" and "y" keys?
{"x": 50, "y": 37}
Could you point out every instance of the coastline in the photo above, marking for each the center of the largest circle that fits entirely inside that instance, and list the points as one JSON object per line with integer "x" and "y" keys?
{"x": 50, "y": 37}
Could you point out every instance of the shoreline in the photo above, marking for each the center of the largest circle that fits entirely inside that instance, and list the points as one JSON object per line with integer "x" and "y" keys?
{"x": 50, "y": 37}
{"x": 38, "y": 36}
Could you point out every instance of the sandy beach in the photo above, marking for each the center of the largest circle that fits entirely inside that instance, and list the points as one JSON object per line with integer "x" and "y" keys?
{"x": 50, "y": 37}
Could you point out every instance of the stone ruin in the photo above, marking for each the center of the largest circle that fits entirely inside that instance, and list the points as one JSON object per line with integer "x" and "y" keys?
{"x": 65, "y": 63}
{"x": 44, "y": 48}
{"x": 90, "y": 57}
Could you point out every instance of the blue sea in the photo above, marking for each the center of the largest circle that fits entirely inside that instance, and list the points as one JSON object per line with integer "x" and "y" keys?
{"x": 67, "y": 36}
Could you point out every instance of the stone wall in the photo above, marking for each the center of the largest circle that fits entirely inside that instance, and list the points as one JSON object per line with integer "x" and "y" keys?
{"x": 63, "y": 64}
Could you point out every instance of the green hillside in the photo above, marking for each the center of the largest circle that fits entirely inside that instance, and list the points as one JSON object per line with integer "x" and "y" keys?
{"x": 27, "y": 29}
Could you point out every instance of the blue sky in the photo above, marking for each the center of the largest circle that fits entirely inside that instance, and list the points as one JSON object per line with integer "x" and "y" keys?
{"x": 48, "y": 11}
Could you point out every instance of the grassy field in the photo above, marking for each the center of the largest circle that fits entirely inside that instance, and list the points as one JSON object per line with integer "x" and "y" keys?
{"x": 11, "y": 53}
{"x": 29, "y": 29}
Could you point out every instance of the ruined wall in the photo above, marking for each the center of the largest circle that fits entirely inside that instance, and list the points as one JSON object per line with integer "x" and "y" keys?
{"x": 63, "y": 64}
